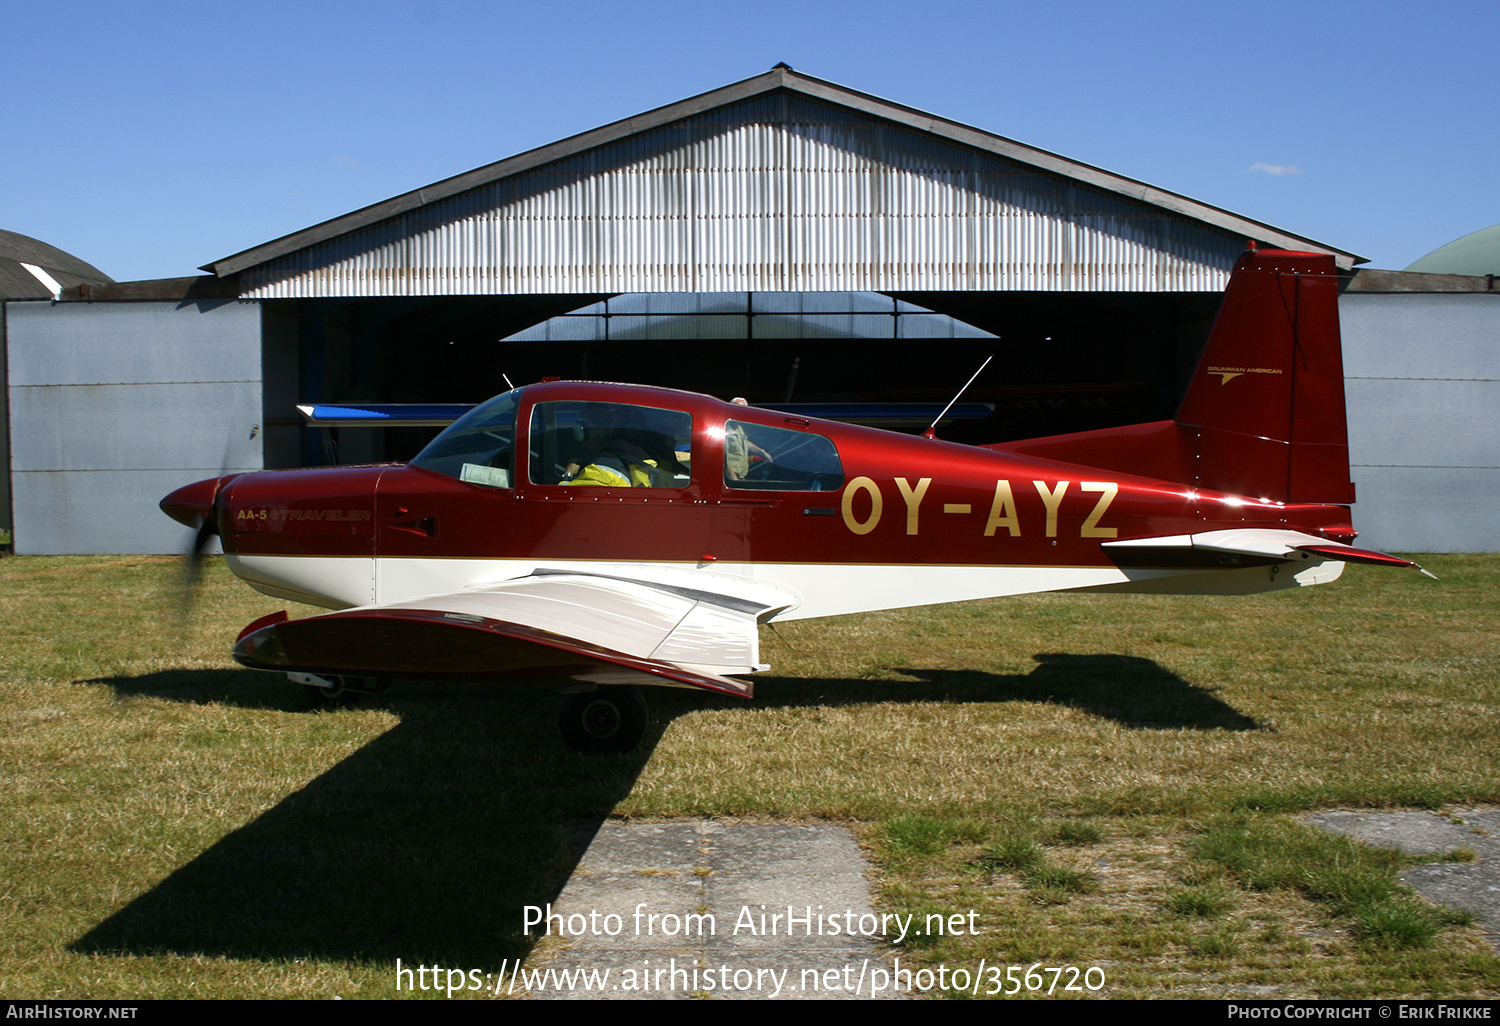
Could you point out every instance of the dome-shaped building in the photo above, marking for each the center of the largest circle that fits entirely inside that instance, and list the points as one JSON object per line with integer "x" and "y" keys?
{"x": 1477, "y": 253}
{"x": 31, "y": 269}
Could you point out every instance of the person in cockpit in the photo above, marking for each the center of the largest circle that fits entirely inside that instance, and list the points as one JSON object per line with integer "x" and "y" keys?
{"x": 615, "y": 454}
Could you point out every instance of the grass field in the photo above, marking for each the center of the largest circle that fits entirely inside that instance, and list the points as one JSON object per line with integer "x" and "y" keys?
{"x": 1104, "y": 781}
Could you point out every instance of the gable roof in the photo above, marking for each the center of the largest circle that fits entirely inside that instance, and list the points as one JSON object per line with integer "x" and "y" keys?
{"x": 780, "y": 80}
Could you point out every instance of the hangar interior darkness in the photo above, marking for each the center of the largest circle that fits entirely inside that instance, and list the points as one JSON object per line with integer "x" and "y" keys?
{"x": 1063, "y": 361}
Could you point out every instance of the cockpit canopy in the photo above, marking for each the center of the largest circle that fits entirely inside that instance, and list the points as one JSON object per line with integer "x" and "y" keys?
{"x": 630, "y": 445}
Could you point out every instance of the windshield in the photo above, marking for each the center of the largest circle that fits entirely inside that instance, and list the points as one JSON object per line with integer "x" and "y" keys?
{"x": 478, "y": 447}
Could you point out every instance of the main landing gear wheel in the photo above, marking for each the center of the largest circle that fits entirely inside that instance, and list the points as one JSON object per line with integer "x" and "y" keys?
{"x": 608, "y": 719}
{"x": 331, "y": 692}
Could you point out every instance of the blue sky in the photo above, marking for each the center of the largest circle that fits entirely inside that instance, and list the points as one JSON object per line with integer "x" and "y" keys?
{"x": 149, "y": 138}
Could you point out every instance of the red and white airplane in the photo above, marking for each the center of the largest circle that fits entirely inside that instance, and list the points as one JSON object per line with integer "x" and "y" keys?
{"x": 615, "y": 535}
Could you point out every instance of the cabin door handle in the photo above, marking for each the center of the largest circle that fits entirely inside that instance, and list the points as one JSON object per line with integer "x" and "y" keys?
{"x": 425, "y": 526}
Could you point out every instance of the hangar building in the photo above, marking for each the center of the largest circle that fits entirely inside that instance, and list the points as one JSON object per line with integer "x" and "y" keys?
{"x": 29, "y": 270}
{"x": 782, "y": 238}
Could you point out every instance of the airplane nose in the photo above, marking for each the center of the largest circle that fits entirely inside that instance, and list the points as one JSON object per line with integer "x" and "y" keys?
{"x": 194, "y": 504}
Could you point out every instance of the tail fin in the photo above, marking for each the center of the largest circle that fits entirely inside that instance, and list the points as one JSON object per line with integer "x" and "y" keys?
{"x": 1264, "y": 412}
{"x": 1267, "y": 399}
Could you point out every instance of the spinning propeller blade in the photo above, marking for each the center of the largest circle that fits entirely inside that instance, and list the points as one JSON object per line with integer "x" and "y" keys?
{"x": 196, "y": 506}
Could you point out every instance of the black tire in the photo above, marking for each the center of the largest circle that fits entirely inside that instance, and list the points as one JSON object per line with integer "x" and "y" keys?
{"x": 338, "y": 697}
{"x": 608, "y": 719}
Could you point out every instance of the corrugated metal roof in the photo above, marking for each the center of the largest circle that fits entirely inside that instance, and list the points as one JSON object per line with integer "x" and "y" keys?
{"x": 782, "y": 182}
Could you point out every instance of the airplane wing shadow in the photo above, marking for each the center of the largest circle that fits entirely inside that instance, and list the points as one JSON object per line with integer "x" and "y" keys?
{"x": 424, "y": 844}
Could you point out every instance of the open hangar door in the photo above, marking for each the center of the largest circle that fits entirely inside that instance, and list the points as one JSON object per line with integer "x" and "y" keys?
{"x": 1063, "y": 361}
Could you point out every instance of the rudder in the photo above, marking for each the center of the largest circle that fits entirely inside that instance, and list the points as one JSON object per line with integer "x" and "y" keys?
{"x": 1267, "y": 399}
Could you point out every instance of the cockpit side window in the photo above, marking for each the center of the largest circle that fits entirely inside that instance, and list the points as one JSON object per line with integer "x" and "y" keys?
{"x": 478, "y": 447}
{"x": 614, "y": 445}
{"x": 779, "y": 459}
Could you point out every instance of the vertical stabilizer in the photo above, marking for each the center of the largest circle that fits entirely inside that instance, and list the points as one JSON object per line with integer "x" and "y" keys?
{"x": 1267, "y": 400}
{"x": 1264, "y": 413}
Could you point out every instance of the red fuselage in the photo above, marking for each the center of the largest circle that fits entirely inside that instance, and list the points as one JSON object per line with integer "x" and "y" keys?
{"x": 907, "y": 505}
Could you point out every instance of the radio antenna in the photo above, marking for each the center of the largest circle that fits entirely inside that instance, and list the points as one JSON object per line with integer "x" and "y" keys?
{"x": 931, "y": 431}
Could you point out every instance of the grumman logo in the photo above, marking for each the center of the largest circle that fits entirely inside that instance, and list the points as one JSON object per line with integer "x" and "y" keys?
{"x": 1225, "y": 373}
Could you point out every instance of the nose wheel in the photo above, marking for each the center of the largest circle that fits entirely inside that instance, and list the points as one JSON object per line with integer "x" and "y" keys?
{"x": 608, "y": 719}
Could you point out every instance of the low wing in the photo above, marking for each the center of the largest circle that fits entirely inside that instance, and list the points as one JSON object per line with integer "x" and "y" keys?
{"x": 584, "y": 626}
{"x": 1257, "y": 543}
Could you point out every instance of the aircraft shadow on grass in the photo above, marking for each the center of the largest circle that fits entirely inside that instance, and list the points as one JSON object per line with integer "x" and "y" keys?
{"x": 426, "y": 843}
{"x": 1134, "y": 692}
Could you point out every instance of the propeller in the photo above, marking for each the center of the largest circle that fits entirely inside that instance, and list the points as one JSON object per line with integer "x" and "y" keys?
{"x": 196, "y": 506}
{"x": 205, "y": 534}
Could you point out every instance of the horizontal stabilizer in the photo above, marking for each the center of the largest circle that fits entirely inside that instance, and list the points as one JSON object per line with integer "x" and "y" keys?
{"x": 1349, "y": 554}
{"x": 1256, "y": 543}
